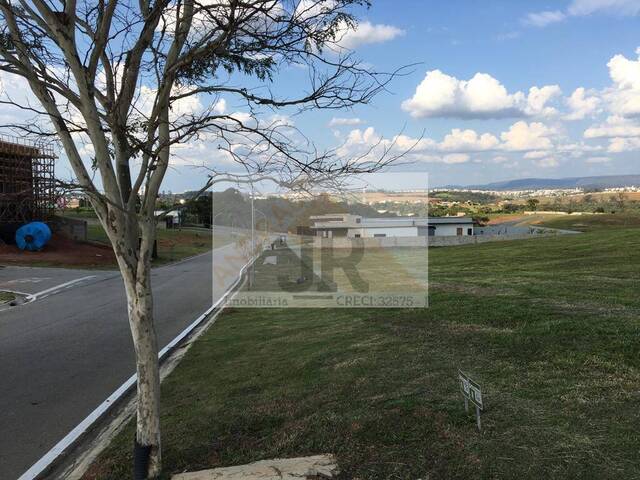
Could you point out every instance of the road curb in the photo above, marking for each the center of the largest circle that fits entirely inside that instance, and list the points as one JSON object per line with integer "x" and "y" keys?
{"x": 57, "y": 453}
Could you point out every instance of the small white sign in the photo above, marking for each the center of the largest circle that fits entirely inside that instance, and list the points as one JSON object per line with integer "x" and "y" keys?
{"x": 472, "y": 393}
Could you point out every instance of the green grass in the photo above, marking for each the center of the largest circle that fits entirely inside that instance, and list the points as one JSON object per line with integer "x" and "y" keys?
{"x": 586, "y": 223}
{"x": 85, "y": 212}
{"x": 6, "y": 297}
{"x": 173, "y": 245}
{"x": 550, "y": 328}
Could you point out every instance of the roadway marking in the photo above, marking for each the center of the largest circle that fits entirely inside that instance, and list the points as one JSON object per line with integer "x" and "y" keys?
{"x": 57, "y": 288}
{"x": 74, "y": 435}
{"x": 26, "y": 280}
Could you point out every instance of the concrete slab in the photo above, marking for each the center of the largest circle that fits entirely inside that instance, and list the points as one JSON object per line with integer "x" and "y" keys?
{"x": 314, "y": 467}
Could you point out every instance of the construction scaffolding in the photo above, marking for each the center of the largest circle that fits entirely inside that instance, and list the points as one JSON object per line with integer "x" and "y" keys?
{"x": 27, "y": 184}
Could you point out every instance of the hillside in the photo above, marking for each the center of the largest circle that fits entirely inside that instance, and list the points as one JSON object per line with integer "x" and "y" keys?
{"x": 607, "y": 181}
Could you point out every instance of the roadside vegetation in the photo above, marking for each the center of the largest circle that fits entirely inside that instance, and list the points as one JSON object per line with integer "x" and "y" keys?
{"x": 6, "y": 297}
{"x": 173, "y": 245}
{"x": 547, "y": 326}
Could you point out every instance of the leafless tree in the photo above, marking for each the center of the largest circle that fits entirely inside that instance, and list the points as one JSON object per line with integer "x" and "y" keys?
{"x": 110, "y": 78}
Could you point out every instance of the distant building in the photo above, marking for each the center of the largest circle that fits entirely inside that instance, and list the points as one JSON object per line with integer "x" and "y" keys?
{"x": 26, "y": 184}
{"x": 355, "y": 226}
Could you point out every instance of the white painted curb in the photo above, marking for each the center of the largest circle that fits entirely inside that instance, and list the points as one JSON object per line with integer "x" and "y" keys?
{"x": 57, "y": 288}
{"x": 74, "y": 435}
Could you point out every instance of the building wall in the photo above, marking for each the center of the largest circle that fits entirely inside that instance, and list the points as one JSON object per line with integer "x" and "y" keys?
{"x": 386, "y": 231}
{"x": 450, "y": 229}
{"x": 440, "y": 230}
{"x": 443, "y": 241}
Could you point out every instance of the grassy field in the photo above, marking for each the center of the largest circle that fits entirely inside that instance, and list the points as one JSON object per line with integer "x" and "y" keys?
{"x": 173, "y": 245}
{"x": 549, "y": 327}
{"x": 588, "y": 223}
{"x": 6, "y": 297}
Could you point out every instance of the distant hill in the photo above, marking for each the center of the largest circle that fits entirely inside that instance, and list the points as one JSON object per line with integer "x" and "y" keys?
{"x": 607, "y": 181}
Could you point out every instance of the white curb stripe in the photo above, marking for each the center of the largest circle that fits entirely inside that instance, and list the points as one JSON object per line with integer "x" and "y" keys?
{"x": 49, "y": 291}
{"x": 73, "y": 436}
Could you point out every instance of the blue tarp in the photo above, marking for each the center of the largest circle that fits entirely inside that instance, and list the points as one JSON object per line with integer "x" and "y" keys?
{"x": 33, "y": 236}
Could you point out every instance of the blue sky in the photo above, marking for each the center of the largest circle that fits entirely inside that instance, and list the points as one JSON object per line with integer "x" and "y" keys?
{"x": 521, "y": 44}
{"x": 500, "y": 89}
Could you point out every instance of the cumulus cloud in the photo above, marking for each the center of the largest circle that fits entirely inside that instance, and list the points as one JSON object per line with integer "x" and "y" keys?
{"x": 184, "y": 107}
{"x": 582, "y": 104}
{"x": 14, "y": 88}
{"x": 220, "y": 106}
{"x": 468, "y": 141}
{"x": 456, "y": 158}
{"x": 623, "y": 134}
{"x": 542, "y": 19}
{"x": 619, "y": 145}
{"x": 538, "y": 99}
{"x": 341, "y": 122}
{"x": 367, "y": 33}
{"x": 624, "y": 95}
{"x": 541, "y": 144}
{"x": 523, "y": 136}
{"x": 482, "y": 96}
{"x": 615, "y": 126}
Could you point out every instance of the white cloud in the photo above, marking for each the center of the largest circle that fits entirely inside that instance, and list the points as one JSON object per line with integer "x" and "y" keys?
{"x": 598, "y": 160}
{"x": 456, "y": 158}
{"x": 523, "y": 136}
{"x": 582, "y": 8}
{"x": 536, "y": 154}
{"x": 623, "y": 134}
{"x": 619, "y": 145}
{"x": 467, "y": 141}
{"x": 624, "y": 95}
{"x": 482, "y": 96}
{"x": 542, "y": 19}
{"x": 359, "y": 142}
{"x": 617, "y": 7}
{"x": 615, "y": 126}
{"x": 451, "y": 159}
{"x": 577, "y": 150}
{"x": 625, "y": 73}
{"x": 440, "y": 95}
{"x": 533, "y": 141}
{"x": 538, "y": 99}
{"x": 220, "y": 107}
{"x": 547, "y": 162}
{"x": 186, "y": 106}
{"x": 368, "y": 33}
{"x": 582, "y": 104}
{"x": 340, "y": 122}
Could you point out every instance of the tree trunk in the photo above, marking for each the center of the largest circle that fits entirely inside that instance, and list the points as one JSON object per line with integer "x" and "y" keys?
{"x": 140, "y": 302}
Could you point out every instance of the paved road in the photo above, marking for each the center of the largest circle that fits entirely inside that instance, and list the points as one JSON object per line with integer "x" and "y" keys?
{"x": 64, "y": 353}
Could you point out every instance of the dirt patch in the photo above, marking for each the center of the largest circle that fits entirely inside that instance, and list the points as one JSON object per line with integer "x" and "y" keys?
{"x": 505, "y": 218}
{"x": 60, "y": 251}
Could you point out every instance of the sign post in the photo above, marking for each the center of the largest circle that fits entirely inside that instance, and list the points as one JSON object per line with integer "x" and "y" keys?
{"x": 472, "y": 393}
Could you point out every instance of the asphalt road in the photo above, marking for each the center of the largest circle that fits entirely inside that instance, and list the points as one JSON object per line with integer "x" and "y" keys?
{"x": 64, "y": 353}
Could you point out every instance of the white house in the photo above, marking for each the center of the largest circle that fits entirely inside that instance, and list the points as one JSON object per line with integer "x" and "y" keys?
{"x": 355, "y": 226}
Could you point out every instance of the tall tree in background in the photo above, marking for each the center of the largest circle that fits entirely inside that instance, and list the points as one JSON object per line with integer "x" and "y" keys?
{"x": 112, "y": 78}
